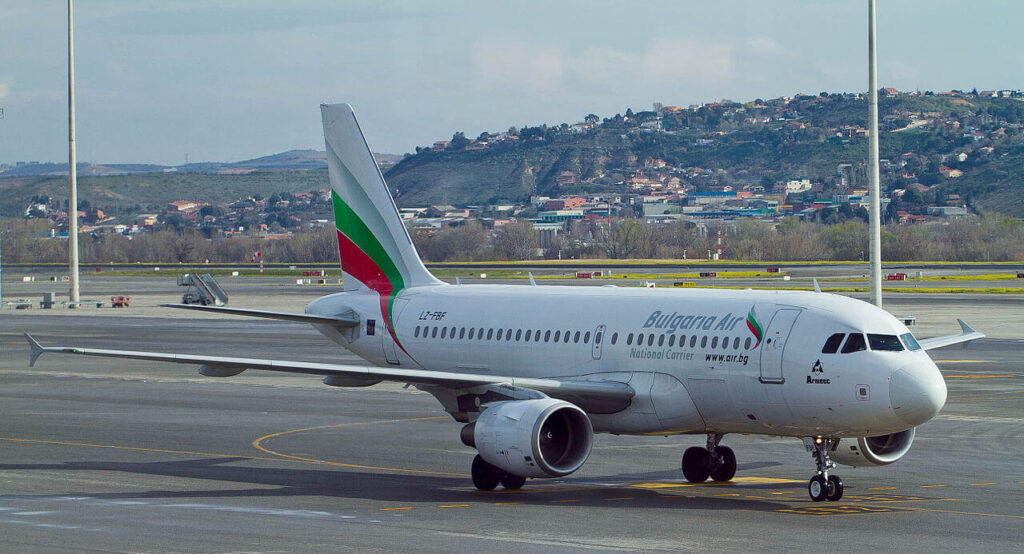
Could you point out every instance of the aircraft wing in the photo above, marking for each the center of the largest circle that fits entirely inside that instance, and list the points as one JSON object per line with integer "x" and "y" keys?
{"x": 967, "y": 335}
{"x": 340, "y": 321}
{"x": 604, "y": 393}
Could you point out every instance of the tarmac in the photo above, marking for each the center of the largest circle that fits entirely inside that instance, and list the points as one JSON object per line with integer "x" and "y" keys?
{"x": 127, "y": 456}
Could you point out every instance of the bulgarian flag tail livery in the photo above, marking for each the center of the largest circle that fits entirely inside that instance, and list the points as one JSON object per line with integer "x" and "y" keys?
{"x": 375, "y": 248}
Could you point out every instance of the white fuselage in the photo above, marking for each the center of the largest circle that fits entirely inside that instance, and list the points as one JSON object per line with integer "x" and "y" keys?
{"x": 694, "y": 361}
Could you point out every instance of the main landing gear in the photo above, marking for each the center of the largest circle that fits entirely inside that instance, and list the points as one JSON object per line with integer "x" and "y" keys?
{"x": 823, "y": 486}
{"x": 717, "y": 462}
{"x": 487, "y": 476}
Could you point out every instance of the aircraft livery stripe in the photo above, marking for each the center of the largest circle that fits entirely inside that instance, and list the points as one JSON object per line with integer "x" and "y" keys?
{"x": 363, "y": 257}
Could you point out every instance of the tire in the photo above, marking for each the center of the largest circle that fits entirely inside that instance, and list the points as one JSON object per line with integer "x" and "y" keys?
{"x": 695, "y": 464}
{"x": 512, "y": 482}
{"x": 485, "y": 476}
{"x": 835, "y": 488}
{"x": 723, "y": 464}
{"x": 817, "y": 488}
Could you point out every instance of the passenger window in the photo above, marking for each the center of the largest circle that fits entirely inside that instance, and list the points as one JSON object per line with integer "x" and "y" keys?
{"x": 855, "y": 343}
{"x": 433, "y": 333}
{"x": 725, "y": 343}
{"x": 661, "y": 340}
{"x": 736, "y": 343}
{"x": 615, "y": 338}
{"x": 508, "y": 334}
{"x": 565, "y": 337}
{"x": 650, "y": 339}
{"x": 529, "y": 334}
{"x": 714, "y": 342}
{"x": 558, "y": 335}
{"x": 832, "y": 343}
{"x": 471, "y": 333}
{"x": 462, "y": 333}
{"x": 910, "y": 341}
{"x": 671, "y": 340}
{"x": 576, "y": 337}
{"x": 889, "y": 343}
{"x": 519, "y": 334}
{"x": 451, "y": 333}
{"x": 480, "y": 334}
{"x": 682, "y": 341}
{"x": 746, "y": 344}
{"x": 547, "y": 335}
{"x": 693, "y": 341}
{"x": 444, "y": 331}
{"x": 703, "y": 342}
{"x": 639, "y": 339}
{"x": 416, "y": 333}
{"x": 536, "y": 336}
{"x": 490, "y": 333}
{"x": 586, "y": 337}
{"x": 629, "y": 339}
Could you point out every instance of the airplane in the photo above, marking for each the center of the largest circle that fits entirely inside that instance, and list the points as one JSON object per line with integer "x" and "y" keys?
{"x": 534, "y": 372}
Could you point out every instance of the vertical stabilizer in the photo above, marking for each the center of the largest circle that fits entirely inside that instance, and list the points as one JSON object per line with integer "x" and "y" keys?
{"x": 376, "y": 251}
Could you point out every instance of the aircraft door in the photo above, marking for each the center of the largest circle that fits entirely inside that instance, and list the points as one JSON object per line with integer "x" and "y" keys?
{"x": 774, "y": 344}
{"x": 388, "y": 342}
{"x": 598, "y": 342}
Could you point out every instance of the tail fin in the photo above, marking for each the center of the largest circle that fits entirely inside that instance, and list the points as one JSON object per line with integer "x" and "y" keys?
{"x": 376, "y": 251}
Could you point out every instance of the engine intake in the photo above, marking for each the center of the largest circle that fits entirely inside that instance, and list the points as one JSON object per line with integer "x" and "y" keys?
{"x": 543, "y": 437}
{"x": 874, "y": 451}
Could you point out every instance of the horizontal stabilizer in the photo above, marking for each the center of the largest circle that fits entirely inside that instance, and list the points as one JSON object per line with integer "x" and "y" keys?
{"x": 965, "y": 337}
{"x": 337, "y": 321}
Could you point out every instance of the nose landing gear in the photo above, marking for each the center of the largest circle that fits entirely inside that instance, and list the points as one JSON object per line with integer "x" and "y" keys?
{"x": 717, "y": 462}
{"x": 823, "y": 486}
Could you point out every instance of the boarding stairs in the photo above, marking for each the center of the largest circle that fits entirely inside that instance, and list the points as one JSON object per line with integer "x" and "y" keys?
{"x": 203, "y": 289}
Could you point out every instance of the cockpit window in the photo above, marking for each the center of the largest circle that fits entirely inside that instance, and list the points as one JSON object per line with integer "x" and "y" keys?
{"x": 885, "y": 342}
{"x": 855, "y": 343}
{"x": 832, "y": 344}
{"x": 910, "y": 341}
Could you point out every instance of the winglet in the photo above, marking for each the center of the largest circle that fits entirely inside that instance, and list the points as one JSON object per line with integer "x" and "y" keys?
{"x": 37, "y": 350}
{"x": 966, "y": 328}
{"x": 530, "y": 275}
{"x": 816, "y": 287}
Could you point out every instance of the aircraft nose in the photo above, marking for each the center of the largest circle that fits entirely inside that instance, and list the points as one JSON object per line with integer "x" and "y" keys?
{"x": 916, "y": 394}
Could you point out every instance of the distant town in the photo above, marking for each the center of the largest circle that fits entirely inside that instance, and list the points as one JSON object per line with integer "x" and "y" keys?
{"x": 657, "y": 190}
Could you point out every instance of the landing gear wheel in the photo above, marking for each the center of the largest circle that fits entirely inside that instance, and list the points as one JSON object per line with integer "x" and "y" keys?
{"x": 512, "y": 482}
{"x": 485, "y": 476}
{"x": 696, "y": 461}
{"x": 818, "y": 488}
{"x": 722, "y": 463}
{"x": 835, "y": 488}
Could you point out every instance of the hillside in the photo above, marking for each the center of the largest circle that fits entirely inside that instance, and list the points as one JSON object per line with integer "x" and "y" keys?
{"x": 743, "y": 144}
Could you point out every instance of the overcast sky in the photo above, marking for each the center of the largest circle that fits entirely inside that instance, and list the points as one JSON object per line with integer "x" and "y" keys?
{"x": 231, "y": 80}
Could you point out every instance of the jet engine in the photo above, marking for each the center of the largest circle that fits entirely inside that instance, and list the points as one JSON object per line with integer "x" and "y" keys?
{"x": 873, "y": 451}
{"x": 542, "y": 437}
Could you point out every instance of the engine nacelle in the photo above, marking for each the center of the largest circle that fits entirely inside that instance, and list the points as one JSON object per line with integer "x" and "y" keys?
{"x": 873, "y": 451}
{"x": 543, "y": 437}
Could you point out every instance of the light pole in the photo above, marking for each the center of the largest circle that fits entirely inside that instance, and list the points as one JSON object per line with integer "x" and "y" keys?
{"x": 874, "y": 228}
{"x": 72, "y": 170}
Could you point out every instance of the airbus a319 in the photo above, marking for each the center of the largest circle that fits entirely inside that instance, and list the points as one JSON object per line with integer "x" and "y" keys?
{"x": 534, "y": 372}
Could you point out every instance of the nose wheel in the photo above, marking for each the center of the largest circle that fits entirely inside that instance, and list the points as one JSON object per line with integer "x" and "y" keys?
{"x": 714, "y": 461}
{"x": 823, "y": 486}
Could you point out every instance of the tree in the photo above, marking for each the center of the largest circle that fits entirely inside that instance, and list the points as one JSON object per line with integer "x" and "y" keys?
{"x": 591, "y": 118}
{"x": 630, "y": 239}
{"x": 459, "y": 141}
{"x": 517, "y": 240}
